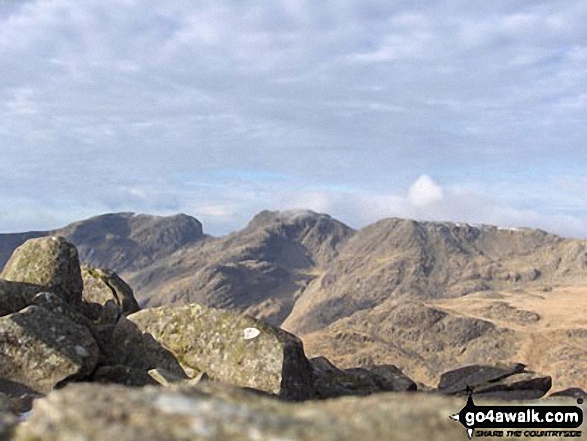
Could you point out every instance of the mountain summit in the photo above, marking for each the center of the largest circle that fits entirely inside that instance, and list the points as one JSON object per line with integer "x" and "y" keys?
{"x": 427, "y": 297}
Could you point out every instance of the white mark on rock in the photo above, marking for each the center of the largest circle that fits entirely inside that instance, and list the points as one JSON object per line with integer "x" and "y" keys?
{"x": 79, "y": 350}
{"x": 250, "y": 333}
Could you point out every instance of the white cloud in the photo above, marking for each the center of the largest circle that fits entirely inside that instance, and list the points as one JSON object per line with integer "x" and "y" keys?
{"x": 425, "y": 192}
{"x": 109, "y": 101}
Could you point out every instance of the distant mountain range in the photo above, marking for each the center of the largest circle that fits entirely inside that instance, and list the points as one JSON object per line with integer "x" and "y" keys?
{"x": 426, "y": 296}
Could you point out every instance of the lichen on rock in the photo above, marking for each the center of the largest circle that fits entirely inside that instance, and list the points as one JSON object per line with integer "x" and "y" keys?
{"x": 213, "y": 341}
{"x": 51, "y": 262}
{"x": 40, "y": 348}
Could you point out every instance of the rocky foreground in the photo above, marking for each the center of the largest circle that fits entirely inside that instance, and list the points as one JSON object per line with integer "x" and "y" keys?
{"x": 76, "y": 348}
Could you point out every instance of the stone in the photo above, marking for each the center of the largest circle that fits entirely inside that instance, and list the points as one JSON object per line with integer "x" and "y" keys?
{"x": 130, "y": 346}
{"x": 332, "y": 382}
{"x": 168, "y": 379}
{"x": 399, "y": 381}
{"x": 4, "y": 403}
{"x": 574, "y": 392}
{"x": 217, "y": 412}
{"x": 11, "y": 298}
{"x": 457, "y": 381}
{"x": 213, "y": 341}
{"x": 523, "y": 386}
{"x": 124, "y": 375}
{"x": 56, "y": 304}
{"x": 106, "y": 290}
{"x": 51, "y": 262}
{"x": 8, "y": 423}
{"x": 40, "y": 348}
{"x": 15, "y": 296}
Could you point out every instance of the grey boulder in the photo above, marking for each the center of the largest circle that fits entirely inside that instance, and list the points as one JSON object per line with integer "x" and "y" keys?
{"x": 227, "y": 345}
{"x": 51, "y": 262}
{"x": 41, "y": 348}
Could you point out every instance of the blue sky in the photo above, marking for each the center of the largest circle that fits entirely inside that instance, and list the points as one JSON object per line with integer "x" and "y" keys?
{"x": 361, "y": 109}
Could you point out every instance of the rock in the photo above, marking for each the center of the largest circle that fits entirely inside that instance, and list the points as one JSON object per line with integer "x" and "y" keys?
{"x": 56, "y": 304}
{"x": 129, "y": 346}
{"x": 15, "y": 296}
{"x": 457, "y": 381}
{"x": 11, "y": 297}
{"x": 4, "y": 403}
{"x": 332, "y": 382}
{"x": 168, "y": 379}
{"x": 498, "y": 382}
{"x": 400, "y": 382}
{"x": 124, "y": 375}
{"x": 523, "y": 386}
{"x": 7, "y": 424}
{"x": 217, "y": 412}
{"x": 51, "y": 262}
{"x": 225, "y": 345}
{"x": 105, "y": 289}
{"x": 16, "y": 397}
{"x": 40, "y": 348}
{"x": 574, "y": 392}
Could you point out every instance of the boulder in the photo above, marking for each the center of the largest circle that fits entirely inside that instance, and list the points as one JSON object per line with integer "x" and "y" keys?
{"x": 395, "y": 376}
{"x": 228, "y": 346}
{"x": 107, "y": 294}
{"x": 332, "y": 382}
{"x": 574, "y": 392}
{"x": 523, "y": 386}
{"x": 41, "y": 348}
{"x": 11, "y": 297}
{"x": 56, "y": 304}
{"x": 217, "y": 412}
{"x": 457, "y": 381}
{"x": 51, "y": 262}
{"x": 130, "y": 346}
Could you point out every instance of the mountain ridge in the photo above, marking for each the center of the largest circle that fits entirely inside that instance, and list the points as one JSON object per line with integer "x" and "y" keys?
{"x": 425, "y": 296}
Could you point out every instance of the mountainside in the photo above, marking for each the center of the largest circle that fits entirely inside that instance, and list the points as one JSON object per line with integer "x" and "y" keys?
{"x": 260, "y": 269}
{"x": 425, "y": 296}
{"x": 395, "y": 258}
{"x": 124, "y": 242}
{"x": 430, "y": 297}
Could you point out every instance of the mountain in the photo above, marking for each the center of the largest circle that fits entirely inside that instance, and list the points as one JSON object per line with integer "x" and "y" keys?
{"x": 260, "y": 269}
{"x": 430, "y": 297}
{"x": 425, "y": 296}
{"x": 397, "y": 258}
{"x": 127, "y": 242}
{"x": 124, "y": 242}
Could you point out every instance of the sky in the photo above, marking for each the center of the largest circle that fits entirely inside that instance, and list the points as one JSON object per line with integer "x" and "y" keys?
{"x": 435, "y": 110}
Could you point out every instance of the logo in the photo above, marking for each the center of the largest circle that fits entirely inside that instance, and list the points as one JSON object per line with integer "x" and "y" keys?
{"x": 553, "y": 421}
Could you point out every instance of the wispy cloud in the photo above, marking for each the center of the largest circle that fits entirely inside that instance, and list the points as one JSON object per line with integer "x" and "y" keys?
{"x": 104, "y": 103}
